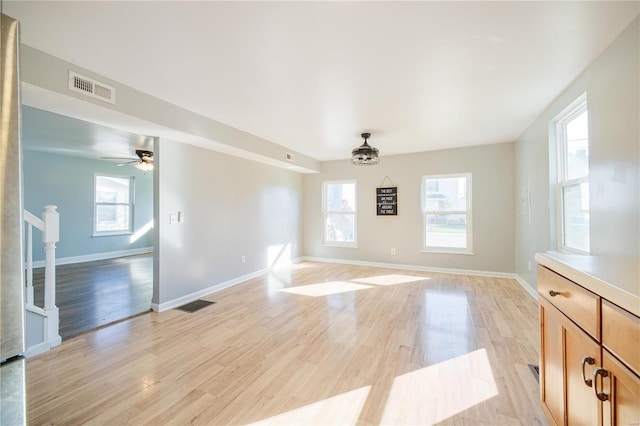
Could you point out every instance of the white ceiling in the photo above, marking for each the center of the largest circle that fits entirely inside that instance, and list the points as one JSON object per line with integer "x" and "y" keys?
{"x": 311, "y": 76}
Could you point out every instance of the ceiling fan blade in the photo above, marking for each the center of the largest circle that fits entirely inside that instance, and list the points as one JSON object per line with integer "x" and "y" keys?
{"x": 119, "y": 158}
{"x": 127, "y": 162}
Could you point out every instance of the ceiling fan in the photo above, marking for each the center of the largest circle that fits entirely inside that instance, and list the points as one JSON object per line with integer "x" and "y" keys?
{"x": 144, "y": 161}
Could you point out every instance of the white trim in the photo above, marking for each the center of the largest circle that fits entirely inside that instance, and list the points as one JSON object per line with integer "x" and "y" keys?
{"x": 45, "y": 345}
{"x": 339, "y": 244}
{"x": 559, "y": 138}
{"x": 468, "y": 176}
{"x": 471, "y": 272}
{"x": 165, "y": 306}
{"x": 33, "y": 220}
{"x": 42, "y": 347}
{"x": 35, "y": 309}
{"x": 525, "y": 285}
{"x": 326, "y": 212}
{"x": 111, "y": 233}
{"x": 37, "y": 349}
{"x": 96, "y": 256}
{"x": 445, "y": 250}
{"x": 492, "y": 274}
{"x": 130, "y": 204}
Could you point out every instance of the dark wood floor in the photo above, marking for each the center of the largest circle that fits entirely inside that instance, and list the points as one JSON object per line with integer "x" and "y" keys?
{"x": 92, "y": 294}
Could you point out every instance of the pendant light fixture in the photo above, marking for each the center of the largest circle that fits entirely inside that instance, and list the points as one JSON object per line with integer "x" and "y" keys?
{"x": 365, "y": 155}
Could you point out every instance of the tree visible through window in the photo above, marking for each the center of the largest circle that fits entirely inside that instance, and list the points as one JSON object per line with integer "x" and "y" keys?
{"x": 572, "y": 139}
{"x": 113, "y": 205}
{"x": 446, "y": 207}
{"x": 339, "y": 206}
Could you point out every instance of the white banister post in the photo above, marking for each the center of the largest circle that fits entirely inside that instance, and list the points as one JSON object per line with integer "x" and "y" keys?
{"x": 29, "y": 264}
{"x": 50, "y": 237}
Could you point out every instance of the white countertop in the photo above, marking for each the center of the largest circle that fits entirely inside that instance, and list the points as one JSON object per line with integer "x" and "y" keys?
{"x": 616, "y": 279}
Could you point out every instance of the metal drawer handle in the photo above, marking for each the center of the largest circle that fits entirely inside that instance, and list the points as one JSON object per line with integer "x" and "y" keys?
{"x": 603, "y": 373}
{"x": 587, "y": 360}
{"x": 554, "y": 293}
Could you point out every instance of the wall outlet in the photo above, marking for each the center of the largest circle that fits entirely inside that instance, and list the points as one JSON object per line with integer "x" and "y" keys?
{"x": 173, "y": 219}
{"x": 243, "y": 259}
{"x": 529, "y": 266}
{"x": 393, "y": 251}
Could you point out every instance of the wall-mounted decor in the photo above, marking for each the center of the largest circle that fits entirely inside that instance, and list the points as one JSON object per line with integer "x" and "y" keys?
{"x": 387, "y": 198}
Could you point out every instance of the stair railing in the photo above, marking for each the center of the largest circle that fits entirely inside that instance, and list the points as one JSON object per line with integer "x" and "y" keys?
{"x": 49, "y": 226}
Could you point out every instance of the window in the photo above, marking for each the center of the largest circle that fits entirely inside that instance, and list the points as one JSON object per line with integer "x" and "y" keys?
{"x": 446, "y": 209}
{"x": 572, "y": 139}
{"x": 339, "y": 207}
{"x": 113, "y": 205}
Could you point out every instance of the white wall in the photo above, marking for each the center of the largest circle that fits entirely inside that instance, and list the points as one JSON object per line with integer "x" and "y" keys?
{"x": 232, "y": 208}
{"x": 493, "y": 172}
{"x": 613, "y": 99}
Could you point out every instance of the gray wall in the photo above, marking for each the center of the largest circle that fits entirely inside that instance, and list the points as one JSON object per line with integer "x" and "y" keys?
{"x": 613, "y": 100}
{"x": 493, "y": 172}
{"x": 232, "y": 208}
{"x": 68, "y": 182}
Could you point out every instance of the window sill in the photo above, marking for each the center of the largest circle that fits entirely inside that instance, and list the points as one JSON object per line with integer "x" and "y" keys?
{"x": 111, "y": 234}
{"x": 339, "y": 245}
{"x": 444, "y": 250}
{"x": 567, "y": 250}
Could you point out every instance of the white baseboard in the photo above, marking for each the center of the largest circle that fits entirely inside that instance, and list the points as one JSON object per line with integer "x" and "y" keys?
{"x": 530, "y": 291}
{"x": 413, "y": 267}
{"x": 37, "y": 349}
{"x": 96, "y": 256}
{"x": 165, "y": 306}
{"x": 525, "y": 285}
{"x": 42, "y": 347}
{"x": 221, "y": 286}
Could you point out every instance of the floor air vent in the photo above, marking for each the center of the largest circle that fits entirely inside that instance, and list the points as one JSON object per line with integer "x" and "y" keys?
{"x": 195, "y": 306}
{"x": 536, "y": 371}
{"x": 90, "y": 87}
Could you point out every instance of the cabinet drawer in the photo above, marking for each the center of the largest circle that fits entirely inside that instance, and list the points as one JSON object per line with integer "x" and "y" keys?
{"x": 621, "y": 334}
{"x": 579, "y": 304}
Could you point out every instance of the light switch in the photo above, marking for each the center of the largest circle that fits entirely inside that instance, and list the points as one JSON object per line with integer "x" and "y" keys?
{"x": 173, "y": 218}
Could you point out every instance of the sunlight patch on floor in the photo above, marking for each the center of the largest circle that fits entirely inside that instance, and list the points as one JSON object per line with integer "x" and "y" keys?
{"x": 435, "y": 393}
{"x": 341, "y": 409}
{"x": 325, "y": 289}
{"x": 391, "y": 279}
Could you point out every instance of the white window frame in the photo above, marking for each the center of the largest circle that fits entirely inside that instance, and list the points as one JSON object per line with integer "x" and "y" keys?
{"x": 468, "y": 212}
{"x": 570, "y": 113}
{"x": 326, "y": 212}
{"x": 130, "y": 204}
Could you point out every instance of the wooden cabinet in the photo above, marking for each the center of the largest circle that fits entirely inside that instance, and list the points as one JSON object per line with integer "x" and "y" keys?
{"x": 621, "y": 388}
{"x": 586, "y": 379}
{"x": 565, "y": 351}
{"x": 551, "y": 363}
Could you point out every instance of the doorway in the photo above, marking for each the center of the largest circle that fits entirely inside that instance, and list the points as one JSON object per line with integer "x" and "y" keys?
{"x": 101, "y": 277}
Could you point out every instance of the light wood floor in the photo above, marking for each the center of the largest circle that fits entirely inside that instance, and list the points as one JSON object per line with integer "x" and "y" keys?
{"x": 314, "y": 344}
{"x": 92, "y": 294}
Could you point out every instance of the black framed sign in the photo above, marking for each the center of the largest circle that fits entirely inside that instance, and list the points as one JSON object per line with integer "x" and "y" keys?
{"x": 387, "y": 201}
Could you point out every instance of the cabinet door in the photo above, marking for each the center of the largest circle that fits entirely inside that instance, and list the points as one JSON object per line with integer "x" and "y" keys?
{"x": 568, "y": 356}
{"x": 551, "y": 364}
{"x": 621, "y": 388}
{"x": 582, "y": 357}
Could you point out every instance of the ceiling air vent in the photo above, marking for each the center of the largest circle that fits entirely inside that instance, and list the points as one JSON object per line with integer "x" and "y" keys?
{"x": 90, "y": 87}
{"x": 290, "y": 157}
